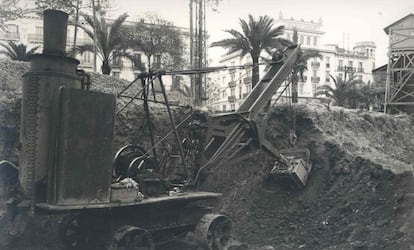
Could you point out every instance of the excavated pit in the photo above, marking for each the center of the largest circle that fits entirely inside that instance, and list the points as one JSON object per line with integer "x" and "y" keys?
{"x": 360, "y": 194}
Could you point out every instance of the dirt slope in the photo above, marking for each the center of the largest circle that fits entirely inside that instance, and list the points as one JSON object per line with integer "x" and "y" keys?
{"x": 360, "y": 194}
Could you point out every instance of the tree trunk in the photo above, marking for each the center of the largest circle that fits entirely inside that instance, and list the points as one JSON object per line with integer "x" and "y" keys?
{"x": 149, "y": 62}
{"x": 295, "y": 80}
{"x": 106, "y": 68}
{"x": 255, "y": 70}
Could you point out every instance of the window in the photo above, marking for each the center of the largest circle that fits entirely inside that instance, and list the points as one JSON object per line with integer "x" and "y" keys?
{"x": 301, "y": 88}
{"x": 301, "y": 39}
{"x": 232, "y": 77}
{"x": 137, "y": 60}
{"x": 12, "y": 28}
{"x": 233, "y": 106}
{"x": 240, "y": 92}
{"x": 340, "y": 65}
{"x": 314, "y": 89}
{"x": 248, "y": 87}
{"x": 224, "y": 107}
{"x": 288, "y": 36}
{"x": 340, "y": 75}
{"x": 232, "y": 91}
{"x": 86, "y": 57}
{"x": 39, "y": 30}
{"x": 115, "y": 74}
{"x": 39, "y": 33}
{"x": 360, "y": 67}
{"x": 350, "y": 64}
{"x": 315, "y": 41}
{"x": 315, "y": 73}
{"x": 157, "y": 60}
{"x": 116, "y": 61}
{"x": 308, "y": 39}
{"x": 328, "y": 64}
{"x": 373, "y": 65}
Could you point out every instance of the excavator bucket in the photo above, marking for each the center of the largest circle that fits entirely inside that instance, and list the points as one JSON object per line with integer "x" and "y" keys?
{"x": 293, "y": 165}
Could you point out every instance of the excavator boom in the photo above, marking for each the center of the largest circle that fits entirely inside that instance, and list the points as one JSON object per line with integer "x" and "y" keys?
{"x": 235, "y": 136}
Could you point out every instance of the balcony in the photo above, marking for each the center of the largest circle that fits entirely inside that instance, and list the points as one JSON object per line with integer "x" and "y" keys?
{"x": 340, "y": 68}
{"x": 315, "y": 64}
{"x": 231, "y": 98}
{"x": 247, "y": 80}
{"x": 137, "y": 65}
{"x": 9, "y": 36}
{"x": 350, "y": 69}
{"x": 232, "y": 84}
{"x": 117, "y": 64}
{"x": 315, "y": 79}
{"x": 35, "y": 38}
{"x": 86, "y": 64}
{"x": 327, "y": 65}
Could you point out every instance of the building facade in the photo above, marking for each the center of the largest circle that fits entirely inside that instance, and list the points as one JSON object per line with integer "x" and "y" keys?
{"x": 29, "y": 30}
{"x": 228, "y": 88}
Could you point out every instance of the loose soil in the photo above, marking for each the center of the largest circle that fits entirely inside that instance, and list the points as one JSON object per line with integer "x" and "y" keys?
{"x": 360, "y": 194}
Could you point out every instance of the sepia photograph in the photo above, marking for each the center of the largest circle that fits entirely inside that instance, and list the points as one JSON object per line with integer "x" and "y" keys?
{"x": 206, "y": 125}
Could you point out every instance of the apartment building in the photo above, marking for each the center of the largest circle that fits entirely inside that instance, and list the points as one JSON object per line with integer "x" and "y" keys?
{"x": 227, "y": 89}
{"x": 29, "y": 31}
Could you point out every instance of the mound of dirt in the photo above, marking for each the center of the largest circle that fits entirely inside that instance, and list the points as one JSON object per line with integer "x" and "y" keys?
{"x": 360, "y": 194}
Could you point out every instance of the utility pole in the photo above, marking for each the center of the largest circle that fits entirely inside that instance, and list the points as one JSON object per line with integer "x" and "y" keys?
{"x": 197, "y": 46}
{"x": 191, "y": 47}
{"x": 75, "y": 34}
{"x": 94, "y": 35}
{"x": 200, "y": 52}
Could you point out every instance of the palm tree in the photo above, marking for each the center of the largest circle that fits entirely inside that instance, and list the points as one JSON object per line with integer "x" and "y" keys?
{"x": 109, "y": 39}
{"x": 343, "y": 93}
{"x": 17, "y": 52}
{"x": 257, "y": 35}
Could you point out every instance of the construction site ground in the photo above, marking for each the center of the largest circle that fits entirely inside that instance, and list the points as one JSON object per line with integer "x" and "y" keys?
{"x": 360, "y": 194}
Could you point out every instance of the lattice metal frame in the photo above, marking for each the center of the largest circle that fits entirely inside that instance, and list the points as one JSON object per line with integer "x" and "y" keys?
{"x": 399, "y": 96}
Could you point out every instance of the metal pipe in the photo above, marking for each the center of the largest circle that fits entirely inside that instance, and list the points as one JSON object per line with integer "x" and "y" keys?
{"x": 177, "y": 138}
{"x": 55, "y": 23}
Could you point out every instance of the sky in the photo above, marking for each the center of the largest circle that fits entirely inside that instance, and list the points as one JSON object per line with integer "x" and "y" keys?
{"x": 356, "y": 20}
